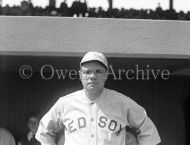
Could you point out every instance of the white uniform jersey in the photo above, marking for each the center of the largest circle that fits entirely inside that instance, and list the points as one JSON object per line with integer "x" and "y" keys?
{"x": 98, "y": 122}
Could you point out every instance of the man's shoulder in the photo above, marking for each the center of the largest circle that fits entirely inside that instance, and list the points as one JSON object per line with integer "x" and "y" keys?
{"x": 117, "y": 96}
{"x": 115, "y": 93}
{"x": 71, "y": 95}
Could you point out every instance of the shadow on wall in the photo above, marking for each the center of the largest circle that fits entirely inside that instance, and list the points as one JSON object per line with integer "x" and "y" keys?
{"x": 186, "y": 102}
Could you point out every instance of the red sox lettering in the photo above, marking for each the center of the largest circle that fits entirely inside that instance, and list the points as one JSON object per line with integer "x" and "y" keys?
{"x": 103, "y": 122}
{"x": 81, "y": 122}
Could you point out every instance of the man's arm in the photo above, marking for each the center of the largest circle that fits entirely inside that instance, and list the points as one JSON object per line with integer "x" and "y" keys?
{"x": 147, "y": 133}
{"x": 49, "y": 125}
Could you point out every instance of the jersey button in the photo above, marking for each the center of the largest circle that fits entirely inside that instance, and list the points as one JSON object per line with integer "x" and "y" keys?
{"x": 92, "y": 135}
{"x": 92, "y": 119}
{"x": 92, "y": 103}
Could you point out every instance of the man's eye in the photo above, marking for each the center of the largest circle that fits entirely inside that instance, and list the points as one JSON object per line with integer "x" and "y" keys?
{"x": 99, "y": 71}
{"x": 87, "y": 72}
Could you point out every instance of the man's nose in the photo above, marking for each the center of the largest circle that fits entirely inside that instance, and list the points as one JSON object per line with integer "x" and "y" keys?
{"x": 92, "y": 75}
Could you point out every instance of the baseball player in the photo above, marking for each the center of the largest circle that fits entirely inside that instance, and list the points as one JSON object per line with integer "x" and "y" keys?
{"x": 96, "y": 115}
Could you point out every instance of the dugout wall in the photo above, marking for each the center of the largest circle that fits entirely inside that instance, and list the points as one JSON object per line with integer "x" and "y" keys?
{"x": 149, "y": 62}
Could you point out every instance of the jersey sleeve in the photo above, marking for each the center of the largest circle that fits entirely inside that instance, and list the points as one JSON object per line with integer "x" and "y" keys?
{"x": 49, "y": 125}
{"x": 138, "y": 120}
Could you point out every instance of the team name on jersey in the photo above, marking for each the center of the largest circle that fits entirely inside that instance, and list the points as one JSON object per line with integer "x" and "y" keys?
{"x": 103, "y": 122}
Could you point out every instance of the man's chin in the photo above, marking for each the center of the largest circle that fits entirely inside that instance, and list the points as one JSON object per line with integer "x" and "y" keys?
{"x": 91, "y": 87}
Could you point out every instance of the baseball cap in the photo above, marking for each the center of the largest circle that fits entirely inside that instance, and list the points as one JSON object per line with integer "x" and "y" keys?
{"x": 94, "y": 56}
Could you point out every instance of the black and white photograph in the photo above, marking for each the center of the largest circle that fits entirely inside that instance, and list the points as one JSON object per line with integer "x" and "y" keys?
{"x": 94, "y": 72}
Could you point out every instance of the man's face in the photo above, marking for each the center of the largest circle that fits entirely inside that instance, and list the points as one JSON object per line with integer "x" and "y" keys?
{"x": 93, "y": 76}
{"x": 33, "y": 124}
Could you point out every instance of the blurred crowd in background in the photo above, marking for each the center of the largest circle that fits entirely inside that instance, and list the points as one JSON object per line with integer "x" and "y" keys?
{"x": 81, "y": 9}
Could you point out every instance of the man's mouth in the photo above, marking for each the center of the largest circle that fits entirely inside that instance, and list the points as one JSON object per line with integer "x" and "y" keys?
{"x": 92, "y": 83}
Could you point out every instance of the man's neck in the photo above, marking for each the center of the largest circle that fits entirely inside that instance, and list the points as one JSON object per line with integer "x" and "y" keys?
{"x": 92, "y": 95}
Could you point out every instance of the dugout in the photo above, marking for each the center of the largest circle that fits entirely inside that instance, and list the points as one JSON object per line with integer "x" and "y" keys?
{"x": 149, "y": 62}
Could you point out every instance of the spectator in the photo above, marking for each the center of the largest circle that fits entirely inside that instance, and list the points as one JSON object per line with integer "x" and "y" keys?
{"x": 64, "y": 10}
{"x": 79, "y": 8}
{"x": 30, "y": 139}
{"x": 6, "y": 138}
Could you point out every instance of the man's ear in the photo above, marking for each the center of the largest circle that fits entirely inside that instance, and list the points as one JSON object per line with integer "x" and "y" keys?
{"x": 106, "y": 75}
{"x": 80, "y": 74}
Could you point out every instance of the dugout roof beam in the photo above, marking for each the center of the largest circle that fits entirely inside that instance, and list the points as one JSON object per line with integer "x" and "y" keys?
{"x": 58, "y": 36}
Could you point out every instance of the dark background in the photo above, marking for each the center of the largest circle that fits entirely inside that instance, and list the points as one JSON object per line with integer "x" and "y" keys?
{"x": 166, "y": 101}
